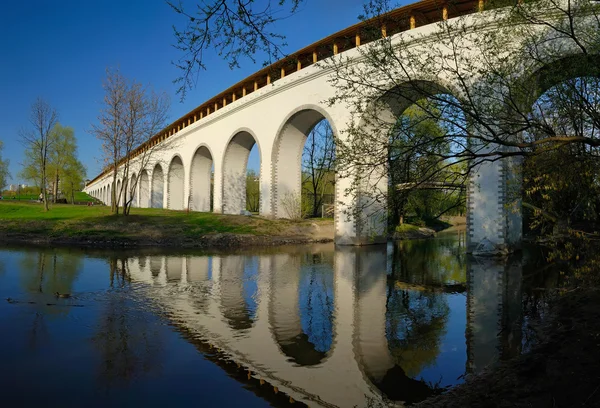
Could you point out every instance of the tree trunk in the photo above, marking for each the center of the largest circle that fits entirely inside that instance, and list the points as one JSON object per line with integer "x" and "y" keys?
{"x": 55, "y": 188}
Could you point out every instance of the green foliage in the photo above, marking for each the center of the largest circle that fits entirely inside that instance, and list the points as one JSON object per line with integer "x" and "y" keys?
{"x": 252, "y": 192}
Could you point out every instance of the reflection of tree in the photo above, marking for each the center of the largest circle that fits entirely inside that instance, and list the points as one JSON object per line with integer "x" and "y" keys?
{"x": 125, "y": 339}
{"x": 435, "y": 261}
{"x": 317, "y": 301}
{"x": 49, "y": 273}
{"x": 119, "y": 272}
{"x": 416, "y": 323}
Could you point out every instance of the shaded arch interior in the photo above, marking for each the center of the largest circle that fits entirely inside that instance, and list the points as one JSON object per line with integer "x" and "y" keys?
{"x": 158, "y": 187}
{"x": 200, "y": 180}
{"x": 175, "y": 184}
{"x": 235, "y": 164}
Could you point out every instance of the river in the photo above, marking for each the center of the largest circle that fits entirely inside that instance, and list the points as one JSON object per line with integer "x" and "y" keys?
{"x": 311, "y": 324}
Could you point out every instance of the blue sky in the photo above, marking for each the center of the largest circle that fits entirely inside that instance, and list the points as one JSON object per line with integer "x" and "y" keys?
{"x": 60, "y": 49}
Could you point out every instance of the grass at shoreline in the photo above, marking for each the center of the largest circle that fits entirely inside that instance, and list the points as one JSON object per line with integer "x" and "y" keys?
{"x": 96, "y": 222}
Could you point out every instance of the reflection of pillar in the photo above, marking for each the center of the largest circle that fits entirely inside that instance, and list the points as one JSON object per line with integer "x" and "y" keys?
{"x": 285, "y": 313}
{"x": 493, "y": 311}
{"x": 512, "y": 310}
{"x": 372, "y": 345}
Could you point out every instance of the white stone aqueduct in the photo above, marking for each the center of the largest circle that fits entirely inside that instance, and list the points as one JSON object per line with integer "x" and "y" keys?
{"x": 278, "y": 116}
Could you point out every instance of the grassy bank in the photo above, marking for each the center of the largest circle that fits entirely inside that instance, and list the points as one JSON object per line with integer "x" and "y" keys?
{"x": 95, "y": 225}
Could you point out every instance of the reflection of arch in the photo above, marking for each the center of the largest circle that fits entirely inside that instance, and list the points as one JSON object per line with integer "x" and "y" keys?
{"x": 157, "y": 191}
{"x": 200, "y": 180}
{"x": 371, "y": 346}
{"x": 175, "y": 184}
{"x": 235, "y": 164}
{"x": 144, "y": 199}
{"x": 290, "y": 318}
{"x": 238, "y": 290}
{"x": 155, "y": 265}
{"x": 287, "y": 155}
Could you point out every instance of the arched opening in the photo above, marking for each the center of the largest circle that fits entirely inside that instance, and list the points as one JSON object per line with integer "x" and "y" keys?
{"x": 158, "y": 187}
{"x": 144, "y": 199}
{"x": 236, "y": 176}
{"x": 175, "y": 184}
{"x": 301, "y": 307}
{"x": 108, "y": 195}
{"x": 303, "y": 159}
{"x": 201, "y": 181}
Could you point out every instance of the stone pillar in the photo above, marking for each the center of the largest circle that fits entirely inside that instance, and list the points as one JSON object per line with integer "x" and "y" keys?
{"x": 494, "y": 222}
{"x": 360, "y": 219}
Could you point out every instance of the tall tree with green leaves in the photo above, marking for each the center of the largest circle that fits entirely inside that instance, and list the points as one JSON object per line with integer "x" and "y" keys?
{"x": 62, "y": 151}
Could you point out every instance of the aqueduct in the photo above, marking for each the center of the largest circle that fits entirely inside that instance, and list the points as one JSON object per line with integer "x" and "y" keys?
{"x": 275, "y": 109}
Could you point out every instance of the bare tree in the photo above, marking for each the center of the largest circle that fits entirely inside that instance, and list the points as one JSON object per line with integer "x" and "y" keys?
{"x": 131, "y": 116}
{"x": 236, "y": 29}
{"x": 318, "y": 164}
{"x": 39, "y": 140}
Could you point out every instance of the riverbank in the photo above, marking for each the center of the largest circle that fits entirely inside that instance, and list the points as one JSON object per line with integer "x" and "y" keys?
{"x": 561, "y": 371}
{"x": 94, "y": 226}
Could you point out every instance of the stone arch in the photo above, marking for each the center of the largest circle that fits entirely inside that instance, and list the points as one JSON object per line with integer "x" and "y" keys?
{"x": 289, "y": 295}
{"x": 158, "y": 187}
{"x": 175, "y": 184}
{"x": 201, "y": 179}
{"x": 287, "y": 155}
{"x": 144, "y": 197}
{"x": 544, "y": 77}
{"x": 235, "y": 165}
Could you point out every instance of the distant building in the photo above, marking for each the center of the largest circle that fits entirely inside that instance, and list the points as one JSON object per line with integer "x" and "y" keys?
{"x": 13, "y": 187}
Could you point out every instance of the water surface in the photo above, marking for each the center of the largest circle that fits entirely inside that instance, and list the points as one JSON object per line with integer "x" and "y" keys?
{"x": 308, "y": 324}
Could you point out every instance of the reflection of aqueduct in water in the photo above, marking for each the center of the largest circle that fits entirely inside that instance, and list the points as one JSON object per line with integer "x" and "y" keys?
{"x": 323, "y": 336}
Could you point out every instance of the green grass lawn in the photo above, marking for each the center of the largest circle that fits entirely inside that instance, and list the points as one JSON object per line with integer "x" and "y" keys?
{"x": 80, "y": 197}
{"x": 70, "y": 221}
